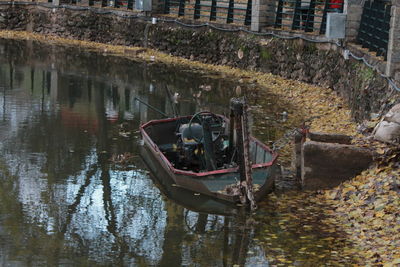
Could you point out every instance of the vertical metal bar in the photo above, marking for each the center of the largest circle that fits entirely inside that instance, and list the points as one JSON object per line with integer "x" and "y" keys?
{"x": 73, "y": 2}
{"x": 298, "y": 16}
{"x": 322, "y": 29}
{"x": 213, "y": 13}
{"x": 379, "y": 46}
{"x": 310, "y": 17}
{"x": 279, "y": 10}
{"x": 371, "y": 24}
{"x": 375, "y": 16}
{"x": 361, "y": 31}
{"x": 386, "y": 28}
{"x": 103, "y": 3}
{"x": 247, "y": 20}
{"x": 197, "y": 7}
{"x": 181, "y": 11}
{"x": 130, "y": 4}
{"x": 229, "y": 18}
{"x": 166, "y": 6}
{"x": 91, "y": 2}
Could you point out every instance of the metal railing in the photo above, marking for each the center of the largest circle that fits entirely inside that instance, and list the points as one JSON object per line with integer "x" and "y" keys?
{"x": 307, "y": 15}
{"x": 222, "y": 11}
{"x": 374, "y": 27}
{"x": 127, "y": 4}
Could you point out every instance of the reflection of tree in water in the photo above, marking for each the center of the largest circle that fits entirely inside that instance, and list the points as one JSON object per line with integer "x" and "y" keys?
{"x": 65, "y": 204}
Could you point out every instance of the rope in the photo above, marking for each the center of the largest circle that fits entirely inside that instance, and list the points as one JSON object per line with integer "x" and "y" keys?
{"x": 241, "y": 29}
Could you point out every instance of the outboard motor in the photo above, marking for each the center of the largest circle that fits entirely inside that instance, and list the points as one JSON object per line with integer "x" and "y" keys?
{"x": 202, "y": 142}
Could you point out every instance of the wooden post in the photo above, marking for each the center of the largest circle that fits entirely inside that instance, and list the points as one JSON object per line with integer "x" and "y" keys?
{"x": 239, "y": 109}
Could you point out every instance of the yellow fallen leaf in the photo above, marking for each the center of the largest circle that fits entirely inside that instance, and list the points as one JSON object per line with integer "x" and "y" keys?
{"x": 380, "y": 151}
{"x": 396, "y": 261}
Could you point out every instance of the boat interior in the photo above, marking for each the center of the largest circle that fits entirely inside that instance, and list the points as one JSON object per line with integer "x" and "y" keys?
{"x": 200, "y": 143}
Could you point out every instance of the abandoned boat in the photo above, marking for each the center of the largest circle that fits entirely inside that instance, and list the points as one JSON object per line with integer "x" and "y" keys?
{"x": 198, "y": 154}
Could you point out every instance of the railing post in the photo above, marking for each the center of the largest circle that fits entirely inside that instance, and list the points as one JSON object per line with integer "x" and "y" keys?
{"x": 259, "y": 14}
{"x": 181, "y": 11}
{"x": 213, "y": 12}
{"x": 279, "y": 16}
{"x": 229, "y": 18}
{"x": 130, "y": 4}
{"x": 393, "y": 55}
{"x": 324, "y": 15}
{"x": 310, "y": 17}
{"x": 353, "y": 10}
{"x": 247, "y": 20}
{"x": 166, "y": 6}
{"x": 197, "y": 7}
{"x": 297, "y": 17}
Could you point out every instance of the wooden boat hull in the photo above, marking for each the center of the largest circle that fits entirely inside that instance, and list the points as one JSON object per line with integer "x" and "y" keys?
{"x": 184, "y": 197}
{"x": 212, "y": 183}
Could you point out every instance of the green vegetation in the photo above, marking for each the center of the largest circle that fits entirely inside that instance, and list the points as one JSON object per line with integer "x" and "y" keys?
{"x": 265, "y": 54}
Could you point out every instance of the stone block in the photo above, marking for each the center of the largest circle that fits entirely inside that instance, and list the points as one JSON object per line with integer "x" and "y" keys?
{"x": 330, "y": 138}
{"x": 296, "y": 154}
{"x": 354, "y": 15}
{"x": 394, "y": 114}
{"x": 326, "y": 165}
{"x": 388, "y": 132}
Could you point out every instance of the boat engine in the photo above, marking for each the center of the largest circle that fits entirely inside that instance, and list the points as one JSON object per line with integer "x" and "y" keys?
{"x": 202, "y": 142}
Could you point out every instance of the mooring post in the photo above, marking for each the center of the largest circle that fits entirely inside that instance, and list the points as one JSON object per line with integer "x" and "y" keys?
{"x": 239, "y": 109}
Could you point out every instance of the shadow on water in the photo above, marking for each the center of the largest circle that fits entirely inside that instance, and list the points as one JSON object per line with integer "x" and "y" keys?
{"x": 64, "y": 115}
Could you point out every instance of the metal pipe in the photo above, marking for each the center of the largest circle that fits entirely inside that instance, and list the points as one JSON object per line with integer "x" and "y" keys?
{"x": 151, "y": 107}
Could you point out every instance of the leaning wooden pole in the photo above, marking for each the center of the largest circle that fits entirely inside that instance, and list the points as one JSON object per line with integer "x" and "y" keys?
{"x": 239, "y": 109}
{"x": 246, "y": 157}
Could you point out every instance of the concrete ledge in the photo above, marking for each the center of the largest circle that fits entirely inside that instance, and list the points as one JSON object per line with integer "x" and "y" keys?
{"x": 326, "y": 165}
{"x": 329, "y": 138}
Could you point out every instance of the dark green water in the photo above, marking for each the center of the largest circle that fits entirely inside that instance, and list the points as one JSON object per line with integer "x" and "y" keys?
{"x": 63, "y": 202}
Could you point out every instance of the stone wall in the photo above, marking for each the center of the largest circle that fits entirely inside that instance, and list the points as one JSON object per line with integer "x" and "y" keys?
{"x": 316, "y": 63}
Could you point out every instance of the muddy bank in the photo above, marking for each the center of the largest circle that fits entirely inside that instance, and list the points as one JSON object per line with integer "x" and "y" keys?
{"x": 320, "y": 64}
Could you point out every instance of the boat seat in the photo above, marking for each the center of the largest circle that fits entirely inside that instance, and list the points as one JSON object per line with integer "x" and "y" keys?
{"x": 188, "y": 136}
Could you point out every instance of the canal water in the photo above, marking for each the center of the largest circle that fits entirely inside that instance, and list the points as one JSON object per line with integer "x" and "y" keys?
{"x": 74, "y": 190}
